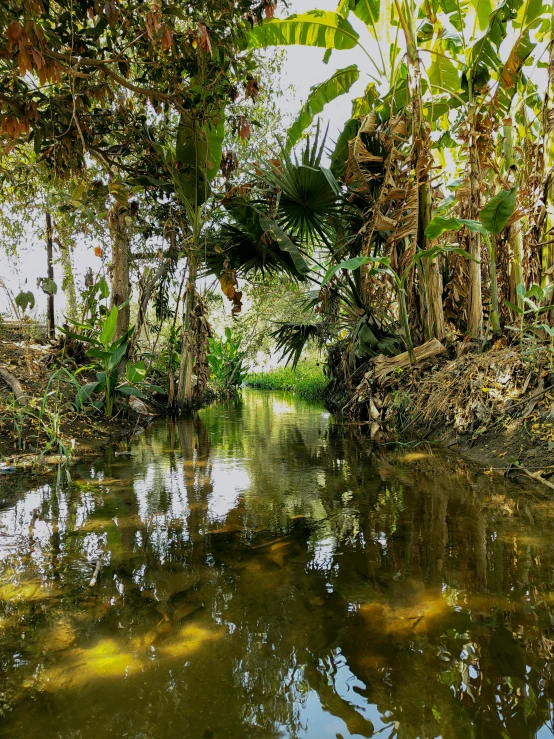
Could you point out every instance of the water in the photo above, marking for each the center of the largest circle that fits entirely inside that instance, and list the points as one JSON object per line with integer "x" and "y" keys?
{"x": 263, "y": 573}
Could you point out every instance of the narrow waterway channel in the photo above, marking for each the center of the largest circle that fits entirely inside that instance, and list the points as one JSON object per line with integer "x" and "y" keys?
{"x": 261, "y": 572}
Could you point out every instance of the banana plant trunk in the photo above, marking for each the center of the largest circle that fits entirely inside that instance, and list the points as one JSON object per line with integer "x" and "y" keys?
{"x": 50, "y": 315}
{"x": 120, "y": 292}
{"x": 474, "y": 300}
{"x": 547, "y": 255}
{"x": 432, "y": 313}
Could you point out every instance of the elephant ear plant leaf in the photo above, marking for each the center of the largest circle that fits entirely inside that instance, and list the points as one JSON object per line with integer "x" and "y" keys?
{"x": 107, "y": 356}
{"x": 494, "y": 218}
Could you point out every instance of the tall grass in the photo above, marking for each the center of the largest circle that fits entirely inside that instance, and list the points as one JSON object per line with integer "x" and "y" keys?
{"x": 307, "y": 380}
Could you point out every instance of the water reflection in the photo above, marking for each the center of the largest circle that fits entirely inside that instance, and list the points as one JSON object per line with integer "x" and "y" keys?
{"x": 263, "y": 574}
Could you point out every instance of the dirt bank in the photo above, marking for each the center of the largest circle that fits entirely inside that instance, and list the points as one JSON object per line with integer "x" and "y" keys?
{"x": 494, "y": 407}
{"x": 35, "y": 431}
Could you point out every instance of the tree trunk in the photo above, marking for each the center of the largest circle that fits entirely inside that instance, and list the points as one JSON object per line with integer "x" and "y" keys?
{"x": 69, "y": 282}
{"x": 547, "y": 255}
{"x": 432, "y": 314}
{"x": 474, "y": 300}
{"x": 120, "y": 292}
{"x": 185, "y": 389}
{"x": 50, "y": 317}
{"x": 145, "y": 294}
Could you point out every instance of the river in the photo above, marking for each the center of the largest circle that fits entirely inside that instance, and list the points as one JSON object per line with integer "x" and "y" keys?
{"x": 262, "y": 571}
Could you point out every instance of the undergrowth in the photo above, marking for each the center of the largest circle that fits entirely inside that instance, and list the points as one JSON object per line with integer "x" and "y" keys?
{"x": 307, "y": 380}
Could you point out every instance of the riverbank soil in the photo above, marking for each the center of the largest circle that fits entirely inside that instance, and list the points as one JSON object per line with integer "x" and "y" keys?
{"x": 35, "y": 429}
{"x": 496, "y": 407}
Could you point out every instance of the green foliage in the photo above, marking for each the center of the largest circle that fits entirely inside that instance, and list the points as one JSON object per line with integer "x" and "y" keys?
{"x": 306, "y": 380}
{"x": 338, "y": 84}
{"x": 496, "y": 213}
{"x": 324, "y": 29}
{"x": 227, "y": 361}
{"x": 107, "y": 356}
{"x": 25, "y": 300}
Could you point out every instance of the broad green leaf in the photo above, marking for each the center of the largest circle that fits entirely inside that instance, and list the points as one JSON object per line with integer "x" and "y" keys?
{"x": 440, "y": 225}
{"x": 483, "y": 9}
{"x": 349, "y": 264}
{"x": 494, "y": 216}
{"x": 25, "y": 300}
{"x": 324, "y": 29}
{"x": 514, "y": 307}
{"x": 85, "y": 392}
{"x": 99, "y": 354}
{"x": 483, "y": 55}
{"x": 81, "y": 337}
{"x": 443, "y": 74}
{"x": 285, "y": 244}
{"x": 129, "y": 390}
{"x": 102, "y": 287}
{"x": 117, "y": 355}
{"x": 321, "y": 94}
{"x": 198, "y": 148}
{"x": 135, "y": 372}
{"x": 108, "y": 328}
{"x": 366, "y": 10}
{"x": 49, "y": 287}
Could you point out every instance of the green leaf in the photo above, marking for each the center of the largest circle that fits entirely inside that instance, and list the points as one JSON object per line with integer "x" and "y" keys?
{"x": 129, "y": 390}
{"x": 440, "y": 225}
{"x": 85, "y": 392}
{"x": 285, "y": 244}
{"x": 198, "y": 148}
{"x": 514, "y": 307}
{"x": 349, "y": 264}
{"x": 321, "y": 94}
{"x": 81, "y": 337}
{"x": 102, "y": 287}
{"x": 324, "y": 29}
{"x": 443, "y": 75}
{"x": 496, "y": 213}
{"x": 483, "y": 9}
{"x": 108, "y": 327}
{"x": 25, "y": 300}
{"x": 366, "y": 10}
{"x": 49, "y": 287}
{"x": 99, "y": 354}
{"x": 117, "y": 355}
{"x": 135, "y": 372}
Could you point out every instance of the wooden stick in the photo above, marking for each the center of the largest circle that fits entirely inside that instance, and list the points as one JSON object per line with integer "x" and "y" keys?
{"x": 535, "y": 477}
{"x": 94, "y": 577}
{"x": 14, "y": 384}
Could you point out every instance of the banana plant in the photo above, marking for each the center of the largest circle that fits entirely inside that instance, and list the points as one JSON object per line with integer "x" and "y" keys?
{"x": 107, "y": 356}
{"x": 494, "y": 218}
{"x": 384, "y": 267}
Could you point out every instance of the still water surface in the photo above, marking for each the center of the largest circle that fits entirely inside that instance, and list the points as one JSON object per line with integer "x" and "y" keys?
{"x": 263, "y": 573}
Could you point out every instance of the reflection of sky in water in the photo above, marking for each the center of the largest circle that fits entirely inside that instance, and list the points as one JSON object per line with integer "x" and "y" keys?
{"x": 229, "y": 480}
{"x": 318, "y": 722}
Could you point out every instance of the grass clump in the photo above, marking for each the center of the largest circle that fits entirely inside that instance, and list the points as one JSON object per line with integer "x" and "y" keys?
{"x": 307, "y": 380}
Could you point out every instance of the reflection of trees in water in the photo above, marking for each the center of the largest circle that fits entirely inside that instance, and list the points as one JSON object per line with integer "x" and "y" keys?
{"x": 405, "y": 571}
